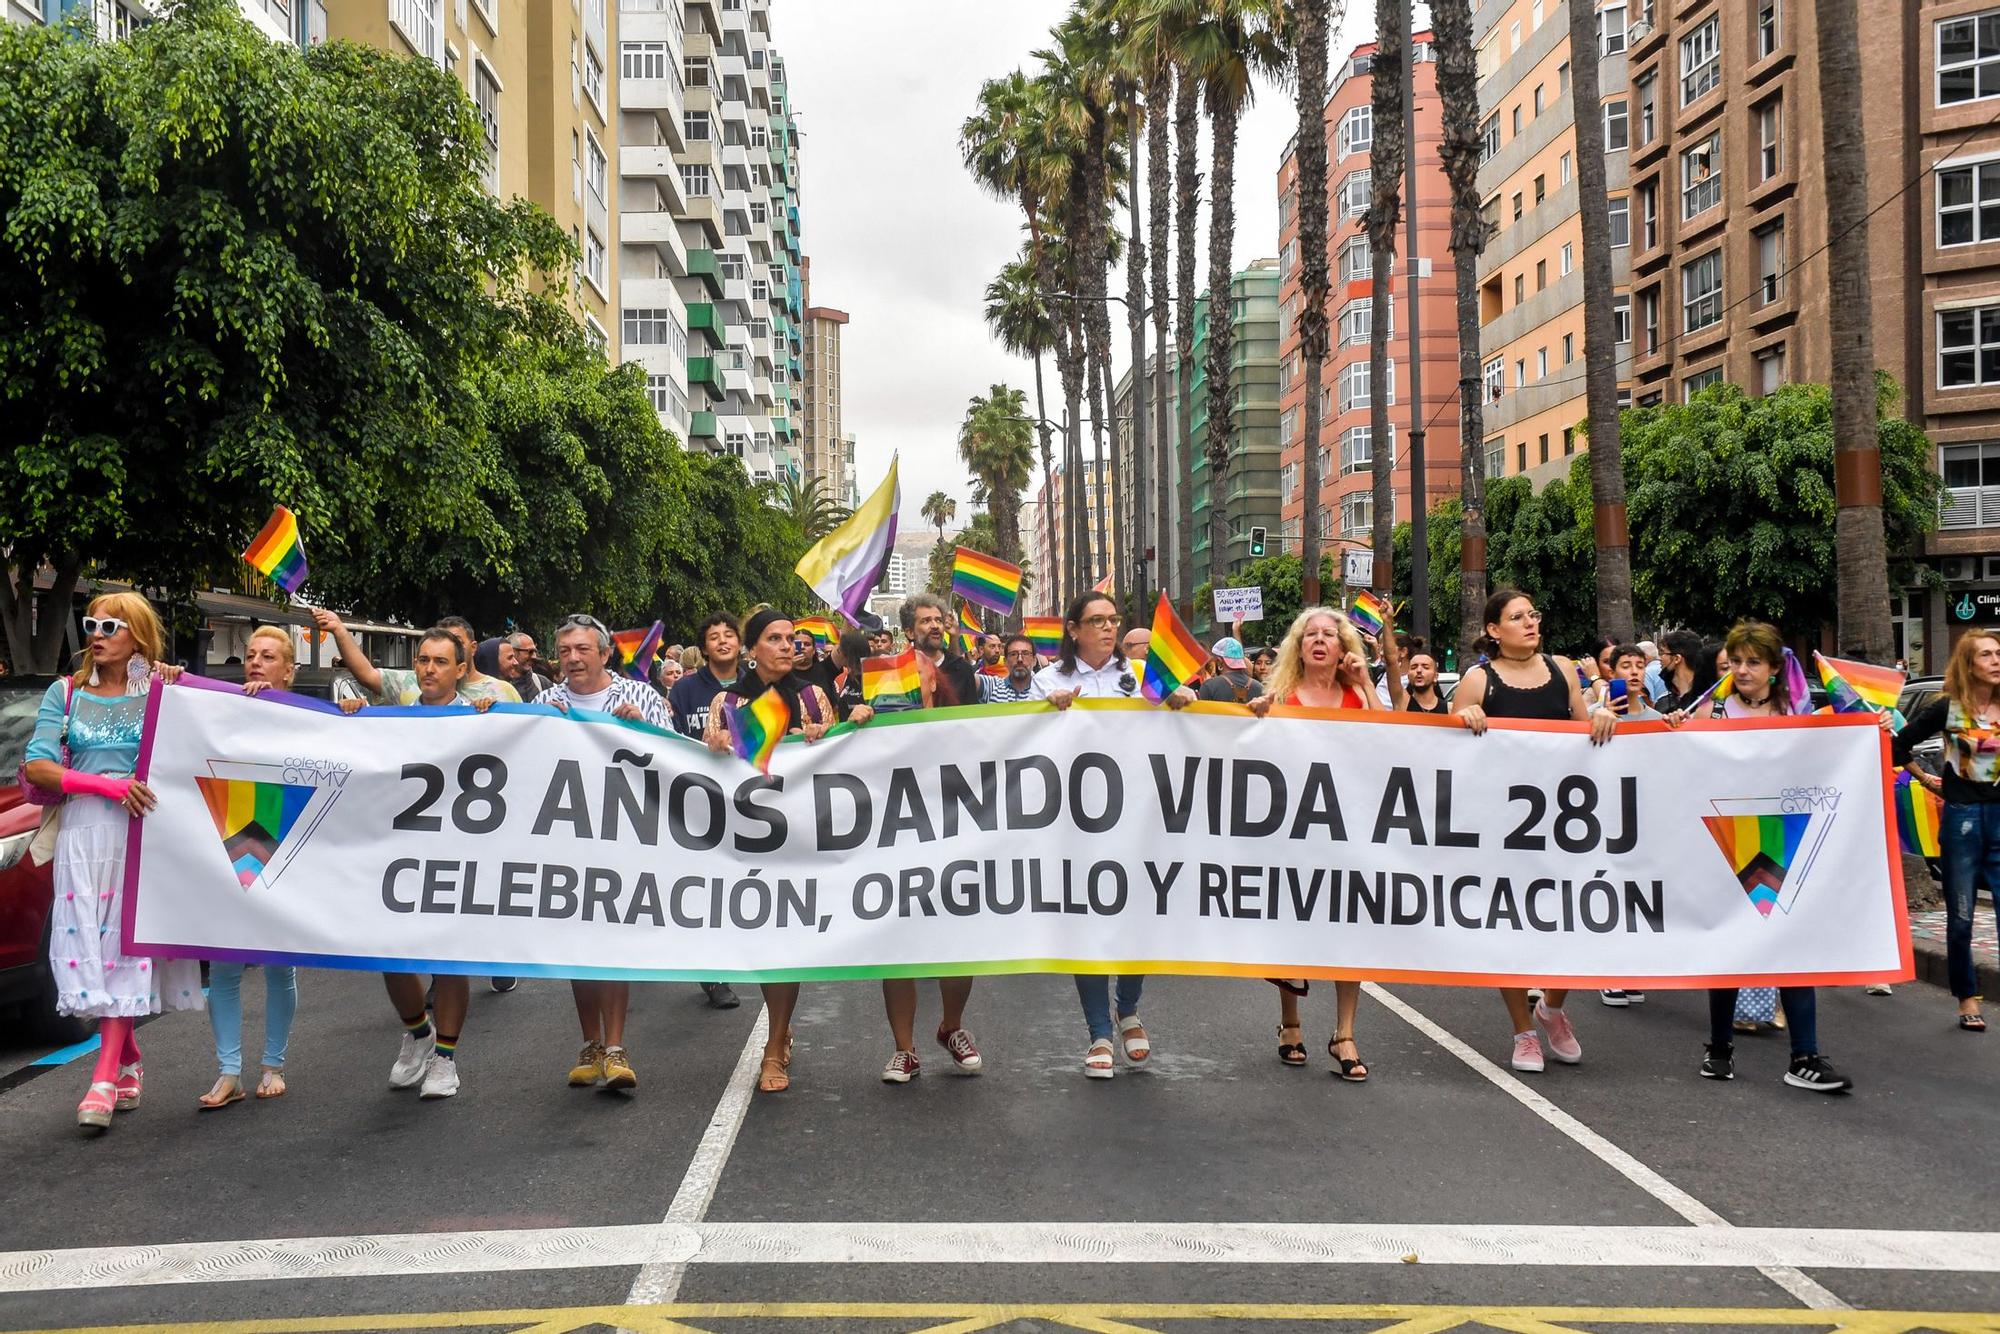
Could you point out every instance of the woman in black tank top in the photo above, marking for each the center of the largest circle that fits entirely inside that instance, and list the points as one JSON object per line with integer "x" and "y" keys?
{"x": 1519, "y": 680}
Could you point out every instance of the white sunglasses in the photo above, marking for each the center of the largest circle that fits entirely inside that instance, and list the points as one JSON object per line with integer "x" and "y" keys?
{"x": 108, "y": 626}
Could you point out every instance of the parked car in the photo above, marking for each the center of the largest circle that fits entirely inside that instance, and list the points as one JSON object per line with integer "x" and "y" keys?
{"x": 1917, "y": 692}
{"x": 27, "y": 988}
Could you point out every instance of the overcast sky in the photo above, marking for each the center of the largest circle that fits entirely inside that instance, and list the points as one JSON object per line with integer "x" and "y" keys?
{"x": 902, "y": 240}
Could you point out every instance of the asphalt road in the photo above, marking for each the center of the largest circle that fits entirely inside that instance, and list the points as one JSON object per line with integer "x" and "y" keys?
{"x": 1442, "y": 1183}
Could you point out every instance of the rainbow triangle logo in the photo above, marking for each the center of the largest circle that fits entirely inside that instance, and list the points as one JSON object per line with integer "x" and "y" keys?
{"x": 1760, "y": 850}
{"x": 253, "y": 819}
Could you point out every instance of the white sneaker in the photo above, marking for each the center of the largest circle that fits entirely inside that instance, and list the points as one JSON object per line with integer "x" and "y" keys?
{"x": 410, "y": 1058}
{"x": 440, "y": 1077}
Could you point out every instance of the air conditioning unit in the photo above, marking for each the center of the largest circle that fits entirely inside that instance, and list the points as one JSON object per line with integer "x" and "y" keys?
{"x": 1958, "y": 569}
{"x": 1636, "y": 31}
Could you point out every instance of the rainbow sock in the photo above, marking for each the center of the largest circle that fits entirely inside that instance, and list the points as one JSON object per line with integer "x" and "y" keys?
{"x": 447, "y": 1047}
{"x": 419, "y": 1027}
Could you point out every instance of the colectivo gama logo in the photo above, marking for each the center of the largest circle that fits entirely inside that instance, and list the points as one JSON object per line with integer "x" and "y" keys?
{"x": 258, "y": 808}
{"x": 1771, "y": 843}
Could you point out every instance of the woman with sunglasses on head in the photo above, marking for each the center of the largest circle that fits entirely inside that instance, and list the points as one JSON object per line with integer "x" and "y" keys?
{"x": 768, "y": 651}
{"x": 269, "y": 663}
{"x": 1519, "y": 680}
{"x": 1322, "y": 664}
{"x": 85, "y": 747}
{"x": 1091, "y": 665}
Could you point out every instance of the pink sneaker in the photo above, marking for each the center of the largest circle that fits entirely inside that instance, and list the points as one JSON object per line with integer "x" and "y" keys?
{"x": 1528, "y": 1053}
{"x": 1562, "y": 1038}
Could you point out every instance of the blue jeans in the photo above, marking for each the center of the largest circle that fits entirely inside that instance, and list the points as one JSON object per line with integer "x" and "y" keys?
{"x": 225, "y": 1013}
{"x": 1801, "y": 1017}
{"x": 1970, "y": 842}
{"x": 1094, "y": 990}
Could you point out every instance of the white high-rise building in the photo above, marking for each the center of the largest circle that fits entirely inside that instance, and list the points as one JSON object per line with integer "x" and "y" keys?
{"x": 299, "y": 21}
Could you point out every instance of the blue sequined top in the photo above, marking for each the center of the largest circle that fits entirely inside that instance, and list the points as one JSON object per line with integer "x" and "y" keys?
{"x": 103, "y": 731}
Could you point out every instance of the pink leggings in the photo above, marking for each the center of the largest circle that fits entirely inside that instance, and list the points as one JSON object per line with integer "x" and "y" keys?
{"x": 116, "y": 1046}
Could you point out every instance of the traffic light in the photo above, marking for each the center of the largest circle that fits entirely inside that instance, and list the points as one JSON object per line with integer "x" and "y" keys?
{"x": 1257, "y": 541}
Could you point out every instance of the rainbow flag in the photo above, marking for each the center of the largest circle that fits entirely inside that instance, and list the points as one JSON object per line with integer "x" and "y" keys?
{"x": 989, "y": 581}
{"x": 1759, "y": 849}
{"x": 892, "y": 679}
{"x": 252, "y": 819}
{"x": 1102, "y": 585}
{"x": 633, "y": 651}
{"x": 1371, "y": 613}
{"x": 1045, "y": 632}
{"x": 277, "y": 550}
{"x": 1919, "y": 814}
{"x": 756, "y": 728}
{"x": 819, "y": 627}
{"x": 970, "y": 629}
{"x": 1174, "y": 657}
{"x": 1854, "y": 686}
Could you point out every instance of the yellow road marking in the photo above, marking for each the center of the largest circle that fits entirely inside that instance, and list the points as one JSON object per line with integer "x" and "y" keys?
{"x": 1100, "y": 1318}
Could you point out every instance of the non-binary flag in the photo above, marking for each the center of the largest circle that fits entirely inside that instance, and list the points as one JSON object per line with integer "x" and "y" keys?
{"x": 756, "y": 728}
{"x": 1919, "y": 814}
{"x": 987, "y": 580}
{"x": 278, "y": 551}
{"x": 1175, "y": 655}
{"x": 845, "y": 566}
{"x": 892, "y": 679}
{"x": 252, "y": 819}
{"x": 632, "y": 651}
{"x": 1044, "y": 632}
{"x": 1854, "y": 686}
{"x": 1371, "y": 613}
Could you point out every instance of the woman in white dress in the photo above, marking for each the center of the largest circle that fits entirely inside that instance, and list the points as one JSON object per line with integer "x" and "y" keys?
{"x": 85, "y": 748}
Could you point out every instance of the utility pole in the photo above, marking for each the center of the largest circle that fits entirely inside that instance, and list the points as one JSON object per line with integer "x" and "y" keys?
{"x": 1420, "y": 560}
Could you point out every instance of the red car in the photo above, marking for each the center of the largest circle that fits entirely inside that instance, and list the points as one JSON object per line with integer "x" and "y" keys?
{"x": 27, "y": 990}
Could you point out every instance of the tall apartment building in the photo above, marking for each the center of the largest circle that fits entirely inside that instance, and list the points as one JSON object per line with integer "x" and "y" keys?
{"x": 1251, "y": 497}
{"x": 827, "y": 452}
{"x": 301, "y": 22}
{"x": 1048, "y": 595}
{"x": 541, "y": 74}
{"x": 1531, "y": 276}
{"x": 1162, "y": 535}
{"x": 1346, "y": 503}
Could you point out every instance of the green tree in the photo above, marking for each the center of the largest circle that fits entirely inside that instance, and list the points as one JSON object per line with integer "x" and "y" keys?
{"x": 807, "y": 503}
{"x": 1541, "y": 544}
{"x": 1017, "y": 313}
{"x": 731, "y": 549}
{"x": 1734, "y": 512}
{"x": 1279, "y": 576}
{"x": 1446, "y": 532}
{"x": 997, "y": 445}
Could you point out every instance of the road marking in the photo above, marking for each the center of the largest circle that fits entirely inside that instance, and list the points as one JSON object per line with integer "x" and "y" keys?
{"x": 671, "y": 1246}
{"x": 1786, "y": 1276}
{"x": 1372, "y": 1319}
{"x": 660, "y": 1280}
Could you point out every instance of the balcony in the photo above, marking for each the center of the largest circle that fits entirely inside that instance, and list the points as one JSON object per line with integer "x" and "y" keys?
{"x": 701, "y": 264}
{"x": 1970, "y": 507}
{"x": 655, "y": 228}
{"x": 701, "y": 426}
{"x": 703, "y": 370}
{"x": 649, "y": 162}
{"x": 703, "y": 317}
{"x": 665, "y": 95}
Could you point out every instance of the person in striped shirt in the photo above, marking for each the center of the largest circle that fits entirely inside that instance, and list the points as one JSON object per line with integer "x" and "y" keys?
{"x": 1019, "y": 682}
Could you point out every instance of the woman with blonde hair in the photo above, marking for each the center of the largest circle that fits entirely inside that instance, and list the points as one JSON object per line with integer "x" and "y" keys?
{"x": 269, "y": 663}
{"x": 85, "y": 747}
{"x": 1321, "y": 664}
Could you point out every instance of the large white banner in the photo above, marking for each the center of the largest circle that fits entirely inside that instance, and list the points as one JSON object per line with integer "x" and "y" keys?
{"x": 1113, "y": 837}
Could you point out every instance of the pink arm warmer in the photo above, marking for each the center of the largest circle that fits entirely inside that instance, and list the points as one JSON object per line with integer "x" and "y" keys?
{"x": 95, "y": 785}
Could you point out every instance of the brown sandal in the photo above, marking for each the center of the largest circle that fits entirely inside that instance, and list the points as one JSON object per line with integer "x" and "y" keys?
{"x": 228, "y": 1089}
{"x": 773, "y": 1077}
{"x": 1294, "y": 1051}
{"x": 270, "y": 1084}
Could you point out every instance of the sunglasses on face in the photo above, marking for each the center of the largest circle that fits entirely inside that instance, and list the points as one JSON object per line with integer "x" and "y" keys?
{"x": 108, "y": 626}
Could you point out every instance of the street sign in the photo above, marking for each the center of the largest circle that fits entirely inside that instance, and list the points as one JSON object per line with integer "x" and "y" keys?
{"x": 1239, "y": 604}
{"x": 1357, "y": 568}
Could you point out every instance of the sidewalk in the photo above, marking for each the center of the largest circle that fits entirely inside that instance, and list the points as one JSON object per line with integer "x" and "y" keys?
{"x": 1927, "y": 945}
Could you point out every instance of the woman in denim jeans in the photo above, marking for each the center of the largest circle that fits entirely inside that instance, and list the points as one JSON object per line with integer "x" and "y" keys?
{"x": 1968, "y": 715}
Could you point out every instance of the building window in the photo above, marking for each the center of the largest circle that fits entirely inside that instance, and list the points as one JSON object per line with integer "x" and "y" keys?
{"x": 1968, "y": 347}
{"x": 1541, "y": 188}
{"x": 1518, "y": 209}
{"x": 1356, "y": 260}
{"x": 1649, "y": 320}
{"x": 642, "y": 60}
{"x": 760, "y": 137}
{"x": 1569, "y": 439}
{"x": 1517, "y": 121}
{"x": 1357, "y": 131}
{"x": 593, "y": 259}
{"x": 1540, "y": 99}
{"x": 1767, "y": 28}
{"x": 594, "y": 165}
{"x": 1496, "y": 379}
{"x": 655, "y": 328}
{"x": 1357, "y": 321}
{"x": 1646, "y": 90}
{"x": 1541, "y": 275}
{"x": 1699, "y": 381}
{"x": 731, "y": 267}
{"x": 1569, "y": 348}
{"x": 1568, "y": 257}
{"x": 1649, "y": 214}
{"x": 1520, "y": 288}
{"x": 1288, "y": 480}
{"x": 593, "y": 77}
{"x": 1701, "y": 293}
{"x": 1352, "y": 383}
{"x": 1520, "y": 372}
{"x": 695, "y": 126}
{"x": 418, "y": 20}
{"x": 1701, "y": 61}
{"x": 1355, "y": 453}
{"x": 1541, "y": 363}
{"x": 1357, "y": 514}
{"x": 1771, "y": 369}
{"x": 486, "y": 97}
{"x": 697, "y": 181}
{"x": 1544, "y": 444}
{"x": 1770, "y": 126}
{"x": 1621, "y": 221}
{"x": 760, "y": 213}
{"x": 1562, "y": 79}
{"x": 1617, "y": 126}
{"x": 1971, "y": 476}
{"x": 1563, "y": 170}
{"x": 694, "y": 71}
{"x": 1288, "y": 259}
{"x": 1968, "y": 58}
{"x": 1496, "y": 456}
{"x": 1621, "y": 318}
{"x": 1354, "y": 191}
{"x": 1770, "y": 262}
{"x": 1521, "y": 457}
{"x": 1611, "y": 30}
{"x": 1701, "y": 176}
{"x": 576, "y": 165}
{"x": 1489, "y": 138}
{"x": 1968, "y": 204}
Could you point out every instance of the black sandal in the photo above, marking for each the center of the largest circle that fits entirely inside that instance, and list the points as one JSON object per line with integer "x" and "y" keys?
{"x": 1972, "y": 1023}
{"x": 1291, "y": 1053}
{"x": 1354, "y": 1071}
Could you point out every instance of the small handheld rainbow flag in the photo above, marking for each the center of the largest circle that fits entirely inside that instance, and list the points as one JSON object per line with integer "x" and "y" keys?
{"x": 1371, "y": 613}
{"x": 277, "y": 550}
{"x": 987, "y": 580}
{"x": 1854, "y": 686}
{"x": 1044, "y": 632}
{"x": 1919, "y": 812}
{"x": 632, "y": 651}
{"x": 819, "y": 627}
{"x": 969, "y": 628}
{"x": 892, "y": 680}
{"x": 756, "y": 728}
{"x": 1174, "y": 657}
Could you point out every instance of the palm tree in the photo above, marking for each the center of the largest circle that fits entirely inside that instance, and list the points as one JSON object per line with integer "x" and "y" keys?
{"x": 939, "y": 510}
{"x": 1018, "y": 314}
{"x": 1233, "y": 43}
{"x": 1860, "y": 555}
{"x": 1458, "y": 92}
{"x": 997, "y": 445}
{"x": 1310, "y": 21}
{"x": 1600, "y": 352}
{"x": 1385, "y": 167}
{"x": 806, "y": 502}
{"x": 1148, "y": 52}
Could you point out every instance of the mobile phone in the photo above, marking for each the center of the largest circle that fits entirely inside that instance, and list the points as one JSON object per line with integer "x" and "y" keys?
{"x": 1616, "y": 694}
